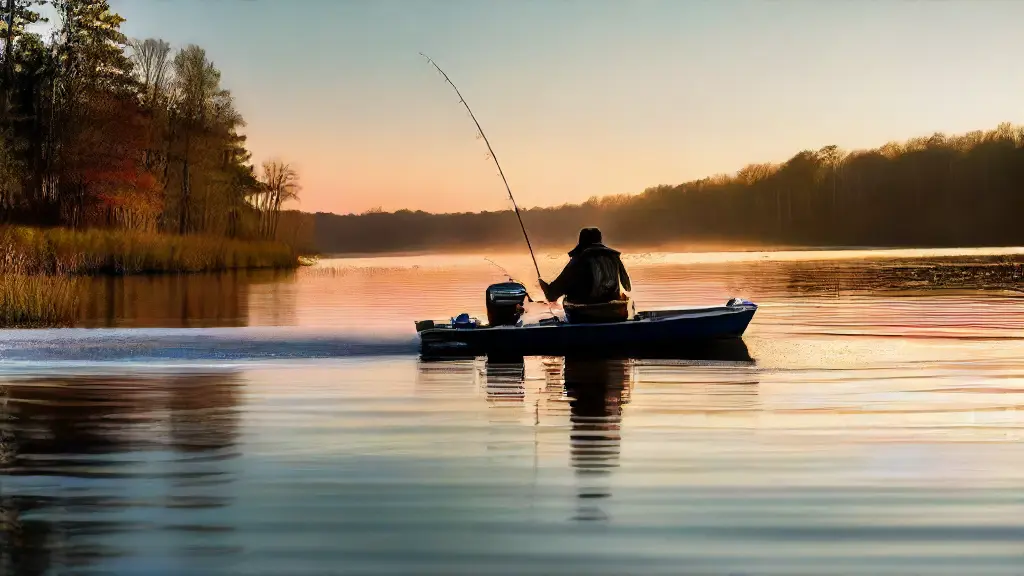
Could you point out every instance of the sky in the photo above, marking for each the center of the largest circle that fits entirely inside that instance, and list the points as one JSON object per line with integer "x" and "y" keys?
{"x": 583, "y": 98}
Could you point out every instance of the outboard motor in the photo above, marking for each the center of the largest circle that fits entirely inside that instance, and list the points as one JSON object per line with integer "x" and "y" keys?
{"x": 505, "y": 303}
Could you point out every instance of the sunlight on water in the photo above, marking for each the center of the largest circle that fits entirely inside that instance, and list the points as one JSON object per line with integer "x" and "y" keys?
{"x": 872, "y": 425}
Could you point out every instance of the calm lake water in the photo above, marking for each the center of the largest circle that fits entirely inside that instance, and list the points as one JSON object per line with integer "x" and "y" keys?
{"x": 272, "y": 423}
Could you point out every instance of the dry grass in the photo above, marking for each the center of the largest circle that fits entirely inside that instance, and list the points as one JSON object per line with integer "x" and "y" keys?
{"x": 29, "y": 300}
{"x": 38, "y": 267}
{"x": 36, "y": 300}
{"x": 62, "y": 251}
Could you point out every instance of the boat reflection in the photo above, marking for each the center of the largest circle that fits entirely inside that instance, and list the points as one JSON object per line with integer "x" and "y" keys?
{"x": 505, "y": 380}
{"x": 724, "y": 350}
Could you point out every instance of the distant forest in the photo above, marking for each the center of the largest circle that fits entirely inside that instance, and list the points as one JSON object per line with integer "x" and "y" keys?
{"x": 937, "y": 191}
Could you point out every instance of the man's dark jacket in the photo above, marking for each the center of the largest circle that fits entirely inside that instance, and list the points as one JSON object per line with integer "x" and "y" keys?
{"x": 594, "y": 275}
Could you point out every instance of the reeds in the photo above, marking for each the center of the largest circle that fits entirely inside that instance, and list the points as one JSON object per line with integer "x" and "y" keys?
{"x": 32, "y": 299}
{"x": 63, "y": 251}
{"x": 37, "y": 300}
{"x": 39, "y": 267}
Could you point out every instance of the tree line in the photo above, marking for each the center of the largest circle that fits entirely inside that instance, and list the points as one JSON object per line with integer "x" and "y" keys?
{"x": 99, "y": 130}
{"x": 938, "y": 191}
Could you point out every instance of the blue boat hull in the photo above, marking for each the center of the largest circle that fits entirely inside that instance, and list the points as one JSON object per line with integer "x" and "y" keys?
{"x": 668, "y": 333}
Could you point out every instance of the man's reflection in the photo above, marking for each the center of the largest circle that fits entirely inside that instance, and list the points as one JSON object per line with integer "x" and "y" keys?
{"x": 597, "y": 390}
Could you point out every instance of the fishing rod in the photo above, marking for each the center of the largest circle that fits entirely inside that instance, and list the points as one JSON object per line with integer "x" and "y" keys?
{"x": 493, "y": 157}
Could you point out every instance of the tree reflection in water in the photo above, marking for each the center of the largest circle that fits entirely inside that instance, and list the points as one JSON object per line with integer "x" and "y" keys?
{"x": 74, "y": 449}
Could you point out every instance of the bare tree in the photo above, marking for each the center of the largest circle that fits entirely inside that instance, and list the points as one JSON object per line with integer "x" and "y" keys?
{"x": 279, "y": 184}
{"x": 151, "y": 59}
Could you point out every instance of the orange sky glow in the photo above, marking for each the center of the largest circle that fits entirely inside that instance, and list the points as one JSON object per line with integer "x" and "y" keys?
{"x": 586, "y": 98}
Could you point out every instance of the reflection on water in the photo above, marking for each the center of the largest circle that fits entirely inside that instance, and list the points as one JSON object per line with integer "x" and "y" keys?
{"x": 597, "y": 389}
{"x": 91, "y": 462}
{"x": 378, "y": 295}
{"x": 877, "y": 432}
{"x": 235, "y": 298}
{"x": 506, "y": 380}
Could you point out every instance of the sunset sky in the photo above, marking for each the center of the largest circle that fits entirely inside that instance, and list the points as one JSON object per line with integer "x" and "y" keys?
{"x": 588, "y": 97}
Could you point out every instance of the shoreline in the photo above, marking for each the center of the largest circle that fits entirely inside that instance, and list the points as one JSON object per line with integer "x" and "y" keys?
{"x": 42, "y": 269}
{"x": 636, "y": 249}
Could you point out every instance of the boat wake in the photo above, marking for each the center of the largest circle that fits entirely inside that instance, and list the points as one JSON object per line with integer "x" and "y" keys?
{"x": 150, "y": 346}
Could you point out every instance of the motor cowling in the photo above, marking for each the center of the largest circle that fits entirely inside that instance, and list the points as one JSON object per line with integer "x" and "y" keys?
{"x": 505, "y": 303}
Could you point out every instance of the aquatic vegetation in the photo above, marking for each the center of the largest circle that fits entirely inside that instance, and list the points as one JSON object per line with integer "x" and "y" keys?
{"x": 30, "y": 299}
{"x": 38, "y": 267}
{"x": 98, "y": 251}
{"x": 37, "y": 300}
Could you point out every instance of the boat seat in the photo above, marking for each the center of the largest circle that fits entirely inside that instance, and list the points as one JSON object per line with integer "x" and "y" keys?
{"x": 614, "y": 311}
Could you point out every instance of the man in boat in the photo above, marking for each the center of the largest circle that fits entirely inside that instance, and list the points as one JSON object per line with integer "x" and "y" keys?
{"x": 594, "y": 282}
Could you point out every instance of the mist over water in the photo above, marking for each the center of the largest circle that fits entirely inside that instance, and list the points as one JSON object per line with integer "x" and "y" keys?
{"x": 284, "y": 424}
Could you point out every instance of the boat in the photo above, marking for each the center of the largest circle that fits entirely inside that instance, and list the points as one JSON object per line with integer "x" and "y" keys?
{"x": 666, "y": 332}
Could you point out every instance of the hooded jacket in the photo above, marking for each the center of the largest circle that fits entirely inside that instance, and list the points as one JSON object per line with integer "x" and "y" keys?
{"x": 594, "y": 275}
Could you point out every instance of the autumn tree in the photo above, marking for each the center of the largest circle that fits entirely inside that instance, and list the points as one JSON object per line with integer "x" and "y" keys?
{"x": 95, "y": 126}
{"x": 100, "y": 130}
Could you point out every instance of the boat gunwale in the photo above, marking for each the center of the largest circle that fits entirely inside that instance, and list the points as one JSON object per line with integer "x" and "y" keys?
{"x": 665, "y": 315}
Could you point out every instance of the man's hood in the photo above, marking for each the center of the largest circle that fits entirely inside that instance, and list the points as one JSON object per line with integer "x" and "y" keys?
{"x": 597, "y": 247}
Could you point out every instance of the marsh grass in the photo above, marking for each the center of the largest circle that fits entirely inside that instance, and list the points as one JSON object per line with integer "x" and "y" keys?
{"x": 38, "y": 300}
{"x": 63, "y": 251}
{"x": 39, "y": 268}
{"x": 33, "y": 300}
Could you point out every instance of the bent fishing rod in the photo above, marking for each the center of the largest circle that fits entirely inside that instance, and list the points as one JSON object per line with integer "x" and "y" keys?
{"x": 493, "y": 157}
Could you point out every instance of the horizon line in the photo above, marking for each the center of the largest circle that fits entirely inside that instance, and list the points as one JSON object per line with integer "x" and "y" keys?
{"x": 625, "y": 195}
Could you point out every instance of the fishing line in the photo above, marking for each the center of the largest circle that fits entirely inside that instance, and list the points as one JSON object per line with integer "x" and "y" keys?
{"x": 512, "y": 278}
{"x": 493, "y": 157}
